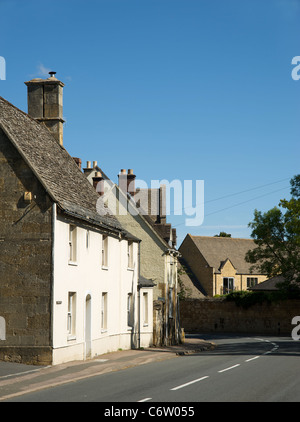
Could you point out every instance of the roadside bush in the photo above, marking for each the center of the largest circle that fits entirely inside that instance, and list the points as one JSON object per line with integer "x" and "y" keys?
{"x": 246, "y": 299}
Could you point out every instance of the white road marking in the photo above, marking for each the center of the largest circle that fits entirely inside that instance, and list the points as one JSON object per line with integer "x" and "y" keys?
{"x": 255, "y": 357}
{"x": 25, "y": 372}
{"x": 147, "y": 399}
{"x": 189, "y": 383}
{"x": 231, "y": 367}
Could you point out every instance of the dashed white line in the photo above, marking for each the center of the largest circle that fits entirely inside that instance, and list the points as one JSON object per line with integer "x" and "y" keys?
{"x": 255, "y": 357}
{"x": 231, "y": 367}
{"x": 222, "y": 370}
{"x": 189, "y": 383}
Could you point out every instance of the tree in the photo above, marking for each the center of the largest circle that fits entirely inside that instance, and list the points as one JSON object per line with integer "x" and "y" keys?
{"x": 223, "y": 234}
{"x": 277, "y": 236}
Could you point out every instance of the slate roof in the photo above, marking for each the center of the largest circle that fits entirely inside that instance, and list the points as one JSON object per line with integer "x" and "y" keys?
{"x": 216, "y": 250}
{"x": 54, "y": 167}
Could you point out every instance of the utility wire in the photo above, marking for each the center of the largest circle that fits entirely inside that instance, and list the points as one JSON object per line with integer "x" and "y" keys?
{"x": 240, "y": 203}
{"x": 234, "y": 194}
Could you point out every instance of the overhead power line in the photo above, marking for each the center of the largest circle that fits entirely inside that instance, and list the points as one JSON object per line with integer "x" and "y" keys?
{"x": 240, "y": 203}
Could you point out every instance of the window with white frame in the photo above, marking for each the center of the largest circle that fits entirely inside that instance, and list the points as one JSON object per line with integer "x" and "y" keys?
{"x": 228, "y": 284}
{"x": 72, "y": 243}
{"x": 104, "y": 251}
{"x": 129, "y": 310}
{"x": 104, "y": 311}
{"x": 130, "y": 254}
{"x": 71, "y": 318}
{"x": 145, "y": 309}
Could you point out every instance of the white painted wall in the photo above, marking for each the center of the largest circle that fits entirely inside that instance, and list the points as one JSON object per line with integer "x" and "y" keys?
{"x": 89, "y": 280}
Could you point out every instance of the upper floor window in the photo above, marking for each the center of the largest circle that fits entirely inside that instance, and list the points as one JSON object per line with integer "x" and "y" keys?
{"x": 104, "y": 251}
{"x": 130, "y": 254}
{"x": 252, "y": 281}
{"x": 72, "y": 243}
{"x": 87, "y": 239}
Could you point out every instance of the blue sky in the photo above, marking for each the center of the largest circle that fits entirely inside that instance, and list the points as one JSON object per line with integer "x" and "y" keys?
{"x": 174, "y": 89}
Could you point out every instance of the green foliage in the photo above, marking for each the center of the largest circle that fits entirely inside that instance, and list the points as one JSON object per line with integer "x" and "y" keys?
{"x": 223, "y": 234}
{"x": 183, "y": 291}
{"x": 277, "y": 236}
{"x": 245, "y": 299}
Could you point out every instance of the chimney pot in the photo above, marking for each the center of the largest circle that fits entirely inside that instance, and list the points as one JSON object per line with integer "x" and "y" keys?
{"x": 88, "y": 164}
{"x": 94, "y": 164}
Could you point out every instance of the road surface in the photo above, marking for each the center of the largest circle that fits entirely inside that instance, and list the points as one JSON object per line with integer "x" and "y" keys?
{"x": 239, "y": 369}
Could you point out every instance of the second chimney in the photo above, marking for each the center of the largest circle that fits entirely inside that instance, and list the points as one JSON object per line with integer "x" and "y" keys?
{"x": 127, "y": 181}
{"x": 45, "y": 103}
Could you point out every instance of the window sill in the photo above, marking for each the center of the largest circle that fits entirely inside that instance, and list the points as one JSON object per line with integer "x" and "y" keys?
{"x": 104, "y": 330}
{"x": 145, "y": 325}
{"x": 104, "y": 267}
{"x": 129, "y": 328}
{"x": 130, "y": 269}
{"x": 71, "y": 337}
{"x": 73, "y": 263}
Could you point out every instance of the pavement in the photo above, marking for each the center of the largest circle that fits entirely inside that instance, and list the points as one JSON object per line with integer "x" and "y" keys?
{"x": 17, "y": 379}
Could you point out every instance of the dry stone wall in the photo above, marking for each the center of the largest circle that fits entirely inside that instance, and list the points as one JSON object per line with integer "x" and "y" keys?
{"x": 219, "y": 315}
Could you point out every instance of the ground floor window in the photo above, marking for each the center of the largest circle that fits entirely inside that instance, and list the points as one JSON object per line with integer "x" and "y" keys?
{"x": 129, "y": 310}
{"x": 145, "y": 307}
{"x": 71, "y": 319}
{"x": 228, "y": 285}
{"x": 104, "y": 312}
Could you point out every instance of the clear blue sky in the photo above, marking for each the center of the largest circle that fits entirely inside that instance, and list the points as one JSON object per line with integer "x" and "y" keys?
{"x": 174, "y": 89}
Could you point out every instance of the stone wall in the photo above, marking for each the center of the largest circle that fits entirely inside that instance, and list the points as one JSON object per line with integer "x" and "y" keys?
{"x": 25, "y": 260}
{"x": 218, "y": 315}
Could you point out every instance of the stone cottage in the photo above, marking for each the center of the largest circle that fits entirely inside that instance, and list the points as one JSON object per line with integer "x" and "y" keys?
{"x": 158, "y": 254}
{"x": 69, "y": 275}
{"x": 218, "y": 265}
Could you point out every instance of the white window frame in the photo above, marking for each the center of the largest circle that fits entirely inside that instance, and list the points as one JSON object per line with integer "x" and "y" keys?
{"x": 229, "y": 288}
{"x": 104, "y": 301}
{"x": 72, "y": 244}
{"x": 71, "y": 316}
{"x": 130, "y": 310}
{"x": 130, "y": 254}
{"x": 104, "y": 253}
{"x": 145, "y": 309}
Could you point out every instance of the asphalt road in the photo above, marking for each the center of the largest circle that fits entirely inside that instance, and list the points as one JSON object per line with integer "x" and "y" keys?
{"x": 240, "y": 369}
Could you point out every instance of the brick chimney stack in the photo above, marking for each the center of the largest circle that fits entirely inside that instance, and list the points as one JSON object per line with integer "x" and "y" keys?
{"x": 45, "y": 103}
{"x": 127, "y": 181}
{"x": 98, "y": 183}
{"x": 131, "y": 182}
